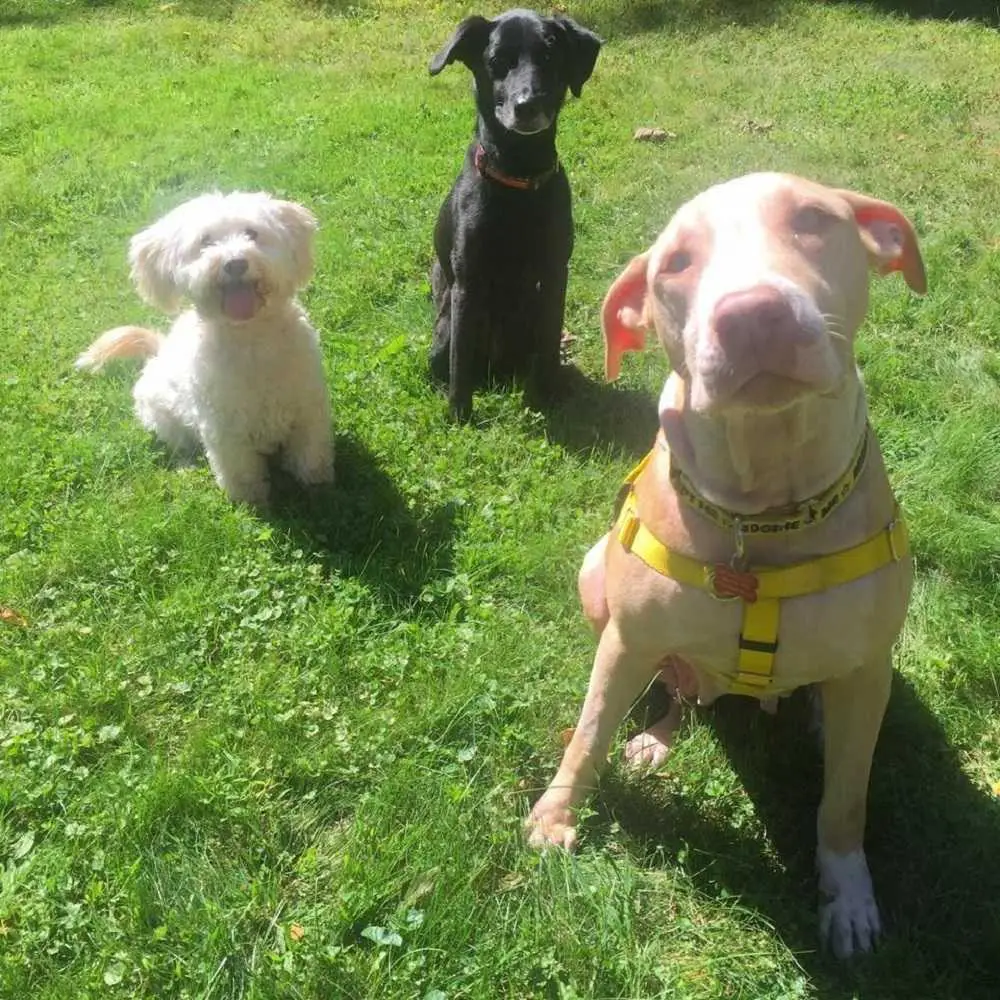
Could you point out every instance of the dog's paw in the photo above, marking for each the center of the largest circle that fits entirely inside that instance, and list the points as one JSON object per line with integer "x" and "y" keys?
{"x": 317, "y": 474}
{"x": 460, "y": 411}
{"x": 651, "y": 747}
{"x": 253, "y": 494}
{"x": 551, "y": 823}
{"x": 647, "y": 751}
{"x": 848, "y": 916}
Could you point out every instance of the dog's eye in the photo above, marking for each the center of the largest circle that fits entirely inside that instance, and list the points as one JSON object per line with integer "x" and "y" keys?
{"x": 501, "y": 64}
{"x": 678, "y": 261}
{"x": 207, "y": 241}
{"x": 812, "y": 220}
{"x": 251, "y": 234}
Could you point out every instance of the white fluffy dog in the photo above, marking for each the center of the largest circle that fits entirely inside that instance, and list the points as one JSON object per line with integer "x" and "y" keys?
{"x": 240, "y": 373}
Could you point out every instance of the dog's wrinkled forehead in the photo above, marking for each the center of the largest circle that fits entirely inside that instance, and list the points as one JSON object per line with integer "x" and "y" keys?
{"x": 751, "y": 217}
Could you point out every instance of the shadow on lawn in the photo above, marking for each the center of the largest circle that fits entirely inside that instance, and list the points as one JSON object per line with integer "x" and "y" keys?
{"x": 933, "y": 844}
{"x": 695, "y": 17}
{"x": 985, "y": 11}
{"x": 363, "y": 526}
{"x": 685, "y": 17}
{"x": 594, "y": 414}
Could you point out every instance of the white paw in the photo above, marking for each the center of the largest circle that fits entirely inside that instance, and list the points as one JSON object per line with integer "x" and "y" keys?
{"x": 650, "y": 748}
{"x": 646, "y": 751}
{"x": 314, "y": 473}
{"x": 551, "y": 823}
{"x": 848, "y": 918}
{"x": 256, "y": 492}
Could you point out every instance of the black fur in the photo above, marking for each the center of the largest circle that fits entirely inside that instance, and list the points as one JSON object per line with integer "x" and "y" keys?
{"x": 499, "y": 280}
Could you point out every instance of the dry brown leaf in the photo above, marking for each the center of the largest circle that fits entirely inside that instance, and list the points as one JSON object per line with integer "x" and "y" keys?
{"x": 296, "y": 932}
{"x": 566, "y": 735}
{"x": 646, "y": 134}
{"x": 12, "y": 617}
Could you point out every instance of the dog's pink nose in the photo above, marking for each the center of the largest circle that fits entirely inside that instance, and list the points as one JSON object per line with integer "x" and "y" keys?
{"x": 758, "y": 325}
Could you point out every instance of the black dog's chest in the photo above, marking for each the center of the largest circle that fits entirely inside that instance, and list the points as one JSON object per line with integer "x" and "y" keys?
{"x": 516, "y": 238}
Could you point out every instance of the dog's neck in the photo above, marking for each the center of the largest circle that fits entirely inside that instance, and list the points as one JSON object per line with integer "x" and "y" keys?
{"x": 517, "y": 155}
{"x": 748, "y": 462}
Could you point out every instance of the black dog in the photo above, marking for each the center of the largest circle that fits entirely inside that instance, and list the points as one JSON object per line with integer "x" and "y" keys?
{"x": 504, "y": 234}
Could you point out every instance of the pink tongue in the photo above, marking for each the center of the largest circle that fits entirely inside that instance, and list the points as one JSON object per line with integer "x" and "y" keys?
{"x": 240, "y": 302}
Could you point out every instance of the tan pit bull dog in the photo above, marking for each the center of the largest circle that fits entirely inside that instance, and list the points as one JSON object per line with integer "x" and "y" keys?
{"x": 759, "y": 547}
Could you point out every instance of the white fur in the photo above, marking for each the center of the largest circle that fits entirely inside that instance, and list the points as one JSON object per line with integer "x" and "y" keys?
{"x": 848, "y": 916}
{"x": 242, "y": 381}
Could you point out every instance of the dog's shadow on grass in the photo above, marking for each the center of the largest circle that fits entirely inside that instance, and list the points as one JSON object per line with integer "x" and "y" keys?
{"x": 364, "y": 527}
{"x": 693, "y": 18}
{"x": 933, "y": 844}
{"x": 589, "y": 415}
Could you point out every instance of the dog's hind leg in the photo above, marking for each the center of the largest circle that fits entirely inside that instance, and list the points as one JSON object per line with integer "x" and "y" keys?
{"x": 157, "y": 409}
{"x": 441, "y": 345}
{"x": 469, "y": 328}
{"x": 590, "y": 584}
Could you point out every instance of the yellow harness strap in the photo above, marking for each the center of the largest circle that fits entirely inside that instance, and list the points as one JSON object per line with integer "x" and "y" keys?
{"x": 760, "y": 589}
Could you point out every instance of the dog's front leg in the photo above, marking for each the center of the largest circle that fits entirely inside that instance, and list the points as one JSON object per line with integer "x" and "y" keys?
{"x": 240, "y": 470}
{"x": 619, "y": 676}
{"x": 546, "y": 366}
{"x": 853, "y": 707}
{"x": 468, "y": 327}
{"x": 308, "y": 452}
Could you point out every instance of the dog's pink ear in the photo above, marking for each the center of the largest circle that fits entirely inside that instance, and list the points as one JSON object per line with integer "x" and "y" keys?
{"x": 623, "y": 315}
{"x": 467, "y": 44}
{"x": 299, "y": 225}
{"x": 153, "y": 256}
{"x": 889, "y": 238}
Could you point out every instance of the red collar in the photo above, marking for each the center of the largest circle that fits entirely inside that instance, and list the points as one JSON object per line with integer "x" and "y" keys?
{"x": 519, "y": 183}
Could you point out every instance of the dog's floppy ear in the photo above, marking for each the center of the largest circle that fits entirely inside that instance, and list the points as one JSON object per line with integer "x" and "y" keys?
{"x": 154, "y": 258}
{"x": 582, "y": 48}
{"x": 889, "y": 238}
{"x": 466, "y": 44}
{"x": 299, "y": 225}
{"x": 623, "y": 315}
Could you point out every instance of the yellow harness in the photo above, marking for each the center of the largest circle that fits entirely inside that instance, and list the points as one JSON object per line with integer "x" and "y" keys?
{"x": 761, "y": 589}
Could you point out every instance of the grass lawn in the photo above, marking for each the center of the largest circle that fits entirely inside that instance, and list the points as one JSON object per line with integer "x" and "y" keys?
{"x": 290, "y": 757}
